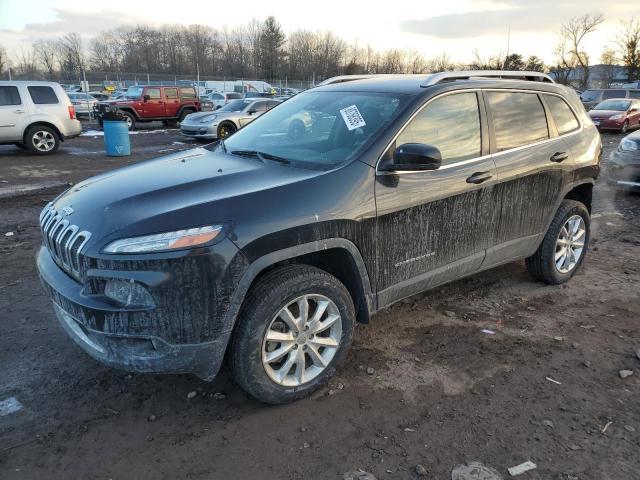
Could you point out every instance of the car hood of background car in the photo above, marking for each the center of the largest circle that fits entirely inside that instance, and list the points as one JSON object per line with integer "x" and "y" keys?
{"x": 194, "y": 117}
{"x": 186, "y": 189}
{"x": 605, "y": 113}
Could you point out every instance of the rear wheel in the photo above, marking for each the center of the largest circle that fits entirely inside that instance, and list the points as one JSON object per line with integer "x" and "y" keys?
{"x": 225, "y": 129}
{"x": 183, "y": 114}
{"x": 564, "y": 246}
{"x": 130, "y": 119}
{"x": 295, "y": 329}
{"x": 42, "y": 140}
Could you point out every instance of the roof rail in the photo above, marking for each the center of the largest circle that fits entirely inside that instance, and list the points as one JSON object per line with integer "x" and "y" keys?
{"x": 470, "y": 74}
{"x": 351, "y": 78}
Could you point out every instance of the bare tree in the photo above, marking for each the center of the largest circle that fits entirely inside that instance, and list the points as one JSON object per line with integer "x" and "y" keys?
{"x": 47, "y": 56}
{"x": 609, "y": 61}
{"x": 3, "y": 59}
{"x": 629, "y": 47}
{"x": 72, "y": 57}
{"x": 570, "y": 51}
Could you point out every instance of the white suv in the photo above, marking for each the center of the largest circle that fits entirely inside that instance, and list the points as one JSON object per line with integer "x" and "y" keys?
{"x": 36, "y": 115}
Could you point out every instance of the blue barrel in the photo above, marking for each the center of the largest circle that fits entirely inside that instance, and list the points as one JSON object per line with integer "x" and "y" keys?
{"x": 116, "y": 138}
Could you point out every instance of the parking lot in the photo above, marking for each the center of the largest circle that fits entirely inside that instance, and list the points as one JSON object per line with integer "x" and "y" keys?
{"x": 496, "y": 368}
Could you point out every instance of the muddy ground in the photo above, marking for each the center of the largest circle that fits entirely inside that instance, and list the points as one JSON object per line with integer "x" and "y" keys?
{"x": 545, "y": 387}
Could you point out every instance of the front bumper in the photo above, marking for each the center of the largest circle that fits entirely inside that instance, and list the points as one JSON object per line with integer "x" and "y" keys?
{"x": 606, "y": 124}
{"x": 199, "y": 130}
{"x": 624, "y": 169}
{"x": 130, "y": 338}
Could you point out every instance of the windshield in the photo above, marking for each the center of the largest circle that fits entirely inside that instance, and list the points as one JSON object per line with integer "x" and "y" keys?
{"x": 617, "y": 105}
{"x": 235, "y": 105}
{"x": 590, "y": 95}
{"x": 134, "y": 92}
{"x": 320, "y": 128}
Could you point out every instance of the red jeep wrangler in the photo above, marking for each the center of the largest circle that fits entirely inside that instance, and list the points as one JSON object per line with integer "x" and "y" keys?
{"x": 152, "y": 103}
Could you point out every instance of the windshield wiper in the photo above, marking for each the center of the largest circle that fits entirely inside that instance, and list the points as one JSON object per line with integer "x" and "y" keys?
{"x": 260, "y": 155}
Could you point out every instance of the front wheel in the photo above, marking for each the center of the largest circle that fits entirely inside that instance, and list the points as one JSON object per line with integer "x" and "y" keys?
{"x": 295, "y": 328}
{"x": 225, "y": 129}
{"x": 564, "y": 246}
{"x": 130, "y": 119}
{"x": 42, "y": 140}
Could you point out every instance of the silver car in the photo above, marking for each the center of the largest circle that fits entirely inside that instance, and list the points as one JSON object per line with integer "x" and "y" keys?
{"x": 36, "y": 115}
{"x": 226, "y": 120}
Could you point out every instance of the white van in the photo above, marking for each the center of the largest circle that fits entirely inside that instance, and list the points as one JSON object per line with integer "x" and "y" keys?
{"x": 36, "y": 115}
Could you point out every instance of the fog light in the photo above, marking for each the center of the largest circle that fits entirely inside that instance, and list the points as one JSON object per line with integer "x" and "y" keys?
{"x": 128, "y": 293}
{"x": 203, "y": 131}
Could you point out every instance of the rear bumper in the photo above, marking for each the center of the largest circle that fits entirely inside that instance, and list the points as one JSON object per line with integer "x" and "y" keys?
{"x": 71, "y": 128}
{"x": 89, "y": 320}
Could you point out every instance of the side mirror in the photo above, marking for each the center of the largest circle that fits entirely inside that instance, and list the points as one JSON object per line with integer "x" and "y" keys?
{"x": 252, "y": 111}
{"x": 415, "y": 156}
{"x": 146, "y": 98}
{"x": 633, "y": 109}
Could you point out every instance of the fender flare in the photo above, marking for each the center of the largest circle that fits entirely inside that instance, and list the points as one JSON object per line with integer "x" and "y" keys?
{"x": 260, "y": 264}
{"x": 561, "y": 197}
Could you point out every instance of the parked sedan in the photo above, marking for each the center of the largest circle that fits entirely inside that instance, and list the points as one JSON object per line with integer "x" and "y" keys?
{"x": 624, "y": 164}
{"x": 226, "y": 120}
{"x": 616, "y": 114}
{"x": 82, "y": 102}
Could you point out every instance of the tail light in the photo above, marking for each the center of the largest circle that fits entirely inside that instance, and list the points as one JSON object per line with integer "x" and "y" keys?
{"x": 72, "y": 112}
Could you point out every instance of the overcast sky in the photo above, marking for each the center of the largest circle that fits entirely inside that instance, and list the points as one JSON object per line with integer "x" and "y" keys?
{"x": 453, "y": 26}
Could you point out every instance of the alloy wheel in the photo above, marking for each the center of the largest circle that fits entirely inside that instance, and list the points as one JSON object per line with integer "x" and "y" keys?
{"x": 570, "y": 244}
{"x": 301, "y": 340}
{"x": 43, "y": 141}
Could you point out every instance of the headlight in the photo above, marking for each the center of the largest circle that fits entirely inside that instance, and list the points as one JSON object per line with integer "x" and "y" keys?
{"x": 616, "y": 116}
{"x": 208, "y": 118}
{"x": 191, "y": 237}
{"x": 628, "y": 145}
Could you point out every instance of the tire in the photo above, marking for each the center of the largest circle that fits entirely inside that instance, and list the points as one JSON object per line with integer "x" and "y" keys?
{"x": 41, "y": 140}
{"x": 625, "y": 127}
{"x": 183, "y": 114}
{"x": 280, "y": 288}
{"x": 130, "y": 119}
{"x": 225, "y": 129}
{"x": 542, "y": 264}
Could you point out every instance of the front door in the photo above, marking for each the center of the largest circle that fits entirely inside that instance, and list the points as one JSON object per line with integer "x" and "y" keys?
{"x": 432, "y": 224}
{"x": 152, "y": 102}
{"x": 13, "y": 114}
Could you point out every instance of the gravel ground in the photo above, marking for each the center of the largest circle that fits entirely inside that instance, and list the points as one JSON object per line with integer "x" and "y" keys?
{"x": 423, "y": 384}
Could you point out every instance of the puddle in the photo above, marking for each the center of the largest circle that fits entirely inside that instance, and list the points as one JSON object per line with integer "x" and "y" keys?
{"x": 9, "y": 405}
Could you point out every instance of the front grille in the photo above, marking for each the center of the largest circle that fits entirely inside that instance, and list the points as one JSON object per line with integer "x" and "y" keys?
{"x": 63, "y": 240}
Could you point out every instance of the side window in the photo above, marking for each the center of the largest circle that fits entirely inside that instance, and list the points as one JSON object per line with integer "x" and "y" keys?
{"x": 614, "y": 94}
{"x": 187, "y": 92}
{"x": 171, "y": 93}
{"x": 260, "y": 106}
{"x": 450, "y": 123}
{"x": 217, "y": 96}
{"x": 42, "y": 95}
{"x": 9, "y": 96}
{"x": 634, "y": 93}
{"x": 562, "y": 115}
{"x": 518, "y": 119}
{"x": 154, "y": 93}
{"x": 271, "y": 104}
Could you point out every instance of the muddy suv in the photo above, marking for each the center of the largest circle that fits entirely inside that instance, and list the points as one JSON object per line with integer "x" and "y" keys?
{"x": 152, "y": 103}
{"x": 268, "y": 247}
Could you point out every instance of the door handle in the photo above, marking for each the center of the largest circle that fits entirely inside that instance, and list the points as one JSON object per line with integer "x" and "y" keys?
{"x": 479, "y": 177}
{"x": 18, "y": 111}
{"x": 559, "y": 157}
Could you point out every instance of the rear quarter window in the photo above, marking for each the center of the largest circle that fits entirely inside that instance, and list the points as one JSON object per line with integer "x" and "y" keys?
{"x": 518, "y": 119}
{"x": 562, "y": 114}
{"x": 634, "y": 94}
{"x": 42, "y": 95}
{"x": 9, "y": 95}
{"x": 187, "y": 92}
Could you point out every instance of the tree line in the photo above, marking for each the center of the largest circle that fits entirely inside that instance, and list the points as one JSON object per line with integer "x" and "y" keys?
{"x": 261, "y": 49}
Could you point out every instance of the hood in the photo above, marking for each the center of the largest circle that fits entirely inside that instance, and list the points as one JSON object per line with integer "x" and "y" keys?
{"x": 185, "y": 189}
{"x": 604, "y": 113}
{"x": 198, "y": 115}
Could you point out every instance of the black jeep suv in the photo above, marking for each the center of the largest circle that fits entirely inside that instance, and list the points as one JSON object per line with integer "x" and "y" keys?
{"x": 271, "y": 244}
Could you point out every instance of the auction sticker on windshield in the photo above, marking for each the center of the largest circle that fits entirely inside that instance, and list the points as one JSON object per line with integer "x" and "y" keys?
{"x": 352, "y": 117}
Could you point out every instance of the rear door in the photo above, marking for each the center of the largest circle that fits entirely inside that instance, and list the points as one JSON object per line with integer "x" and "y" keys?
{"x": 529, "y": 157}
{"x": 172, "y": 101}
{"x": 432, "y": 225}
{"x": 14, "y": 114}
{"x": 152, "y": 102}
